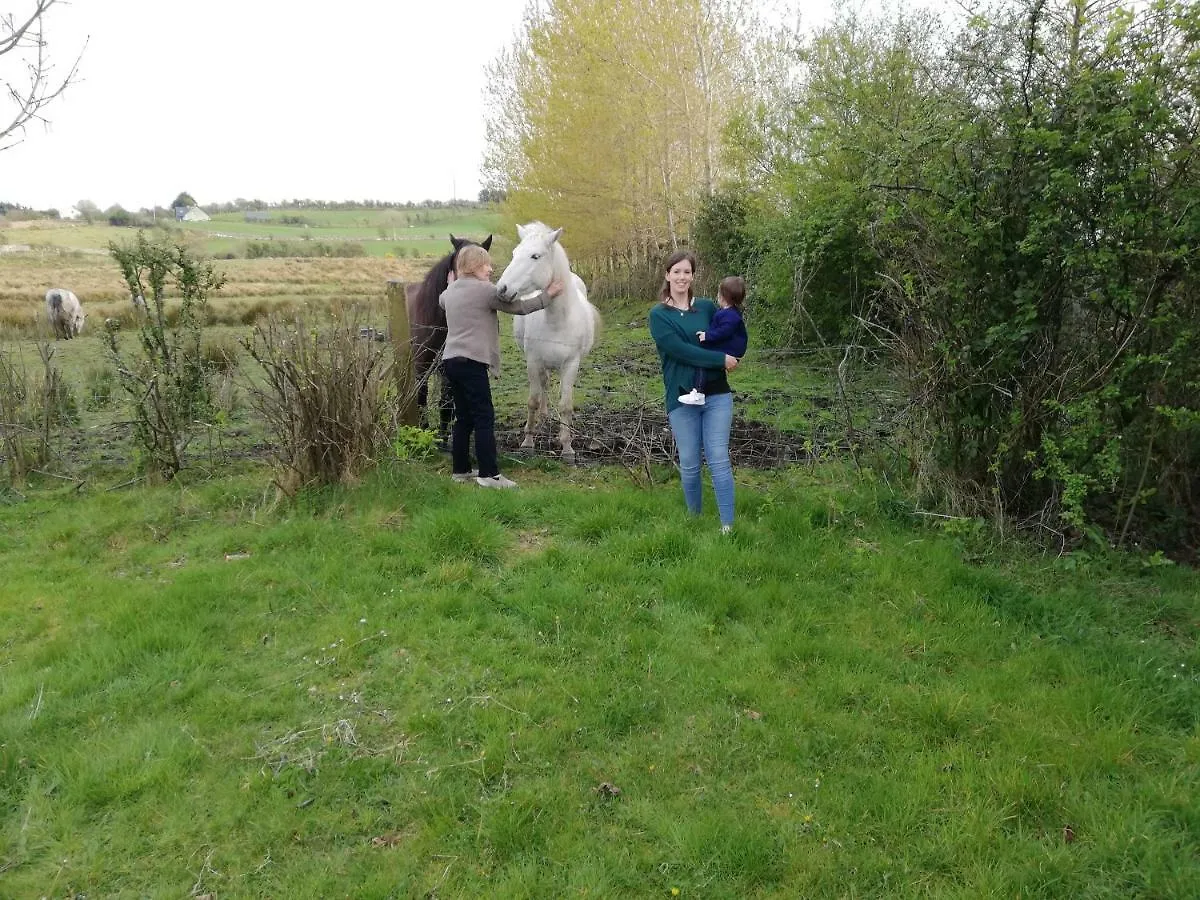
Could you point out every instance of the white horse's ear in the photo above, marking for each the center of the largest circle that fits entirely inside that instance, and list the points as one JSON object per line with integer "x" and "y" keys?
{"x": 521, "y": 232}
{"x": 555, "y": 235}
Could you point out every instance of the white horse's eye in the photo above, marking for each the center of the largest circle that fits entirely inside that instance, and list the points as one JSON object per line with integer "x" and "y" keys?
{"x": 536, "y": 256}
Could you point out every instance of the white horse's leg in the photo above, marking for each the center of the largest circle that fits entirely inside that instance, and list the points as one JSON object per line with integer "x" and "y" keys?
{"x": 566, "y": 406}
{"x": 538, "y": 386}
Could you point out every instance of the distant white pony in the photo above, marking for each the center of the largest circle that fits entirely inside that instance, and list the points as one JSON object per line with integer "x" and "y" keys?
{"x": 556, "y": 338}
{"x": 65, "y": 313}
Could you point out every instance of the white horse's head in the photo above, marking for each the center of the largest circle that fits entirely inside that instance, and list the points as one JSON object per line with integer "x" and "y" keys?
{"x": 534, "y": 261}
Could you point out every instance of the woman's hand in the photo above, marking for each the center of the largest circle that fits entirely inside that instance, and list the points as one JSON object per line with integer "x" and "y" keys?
{"x": 554, "y": 289}
{"x": 451, "y": 278}
{"x": 730, "y": 362}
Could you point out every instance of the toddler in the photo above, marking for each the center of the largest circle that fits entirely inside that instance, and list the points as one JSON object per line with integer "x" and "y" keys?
{"x": 726, "y": 332}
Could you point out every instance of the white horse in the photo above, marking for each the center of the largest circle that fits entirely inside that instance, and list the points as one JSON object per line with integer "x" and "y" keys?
{"x": 65, "y": 313}
{"x": 555, "y": 338}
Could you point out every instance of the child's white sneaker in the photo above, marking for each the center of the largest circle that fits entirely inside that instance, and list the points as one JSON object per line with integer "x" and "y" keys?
{"x": 692, "y": 398}
{"x": 464, "y": 477}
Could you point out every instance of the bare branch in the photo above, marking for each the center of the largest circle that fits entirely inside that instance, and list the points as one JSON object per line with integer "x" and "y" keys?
{"x": 26, "y": 40}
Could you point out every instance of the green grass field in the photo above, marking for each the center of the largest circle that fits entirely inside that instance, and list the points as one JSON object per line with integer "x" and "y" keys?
{"x": 416, "y": 688}
{"x": 409, "y": 687}
{"x": 417, "y": 233}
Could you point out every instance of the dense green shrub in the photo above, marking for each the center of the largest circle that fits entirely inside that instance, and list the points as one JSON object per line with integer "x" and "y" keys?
{"x": 1014, "y": 210}
{"x": 1039, "y": 259}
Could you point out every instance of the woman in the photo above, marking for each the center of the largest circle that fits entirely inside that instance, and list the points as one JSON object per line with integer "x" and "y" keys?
{"x": 698, "y": 430}
{"x": 472, "y": 348}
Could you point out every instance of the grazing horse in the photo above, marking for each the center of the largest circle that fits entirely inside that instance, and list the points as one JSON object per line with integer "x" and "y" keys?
{"x": 555, "y": 338}
{"x": 65, "y": 313}
{"x": 427, "y": 329}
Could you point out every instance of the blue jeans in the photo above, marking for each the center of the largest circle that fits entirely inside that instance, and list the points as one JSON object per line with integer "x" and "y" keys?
{"x": 705, "y": 429}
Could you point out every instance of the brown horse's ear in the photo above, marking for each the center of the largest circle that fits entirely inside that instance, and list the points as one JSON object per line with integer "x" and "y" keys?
{"x": 458, "y": 243}
{"x": 487, "y": 244}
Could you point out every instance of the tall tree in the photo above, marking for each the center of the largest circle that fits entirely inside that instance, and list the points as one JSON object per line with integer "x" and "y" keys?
{"x": 610, "y": 114}
{"x": 27, "y": 75}
{"x": 89, "y": 210}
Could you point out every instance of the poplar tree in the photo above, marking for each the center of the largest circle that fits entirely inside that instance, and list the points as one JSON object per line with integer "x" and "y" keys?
{"x": 608, "y": 118}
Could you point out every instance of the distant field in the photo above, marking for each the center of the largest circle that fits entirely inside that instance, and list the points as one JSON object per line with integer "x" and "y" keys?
{"x": 252, "y": 287}
{"x": 417, "y": 233}
{"x": 395, "y": 244}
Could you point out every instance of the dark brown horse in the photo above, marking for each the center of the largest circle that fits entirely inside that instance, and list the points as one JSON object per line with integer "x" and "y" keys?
{"x": 427, "y": 325}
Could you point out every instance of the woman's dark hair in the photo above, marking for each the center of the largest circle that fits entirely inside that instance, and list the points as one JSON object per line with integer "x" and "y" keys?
{"x": 672, "y": 261}
{"x": 733, "y": 289}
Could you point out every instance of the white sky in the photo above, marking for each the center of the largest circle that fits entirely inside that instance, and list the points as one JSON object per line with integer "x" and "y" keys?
{"x": 261, "y": 98}
{"x": 268, "y": 99}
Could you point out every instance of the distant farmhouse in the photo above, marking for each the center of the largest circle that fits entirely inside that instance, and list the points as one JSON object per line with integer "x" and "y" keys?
{"x": 190, "y": 214}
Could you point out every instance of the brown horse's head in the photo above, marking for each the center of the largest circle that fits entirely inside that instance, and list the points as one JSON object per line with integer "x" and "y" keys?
{"x": 459, "y": 243}
{"x": 426, "y": 317}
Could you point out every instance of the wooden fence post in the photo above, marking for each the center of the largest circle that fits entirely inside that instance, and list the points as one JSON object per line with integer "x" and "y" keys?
{"x": 406, "y": 380}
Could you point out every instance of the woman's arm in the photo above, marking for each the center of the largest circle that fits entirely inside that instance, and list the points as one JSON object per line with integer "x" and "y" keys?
{"x": 672, "y": 343}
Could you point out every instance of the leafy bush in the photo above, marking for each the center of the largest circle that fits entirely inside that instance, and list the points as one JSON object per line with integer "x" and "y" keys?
{"x": 165, "y": 377}
{"x": 1013, "y": 210}
{"x": 1042, "y": 289}
{"x": 413, "y": 442}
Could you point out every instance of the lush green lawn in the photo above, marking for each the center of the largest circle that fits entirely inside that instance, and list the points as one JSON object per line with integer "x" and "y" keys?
{"x": 413, "y": 688}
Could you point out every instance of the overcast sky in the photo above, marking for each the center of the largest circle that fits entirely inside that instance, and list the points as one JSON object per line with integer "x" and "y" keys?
{"x": 261, "y": 98}
{"x": 268, "y": 99}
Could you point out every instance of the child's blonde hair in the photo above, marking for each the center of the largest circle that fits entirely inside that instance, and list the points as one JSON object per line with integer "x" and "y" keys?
{"x": 470, "y": 260}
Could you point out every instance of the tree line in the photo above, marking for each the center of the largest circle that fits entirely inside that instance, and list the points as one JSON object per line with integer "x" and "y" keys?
{"x": 1000, "y": 207}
